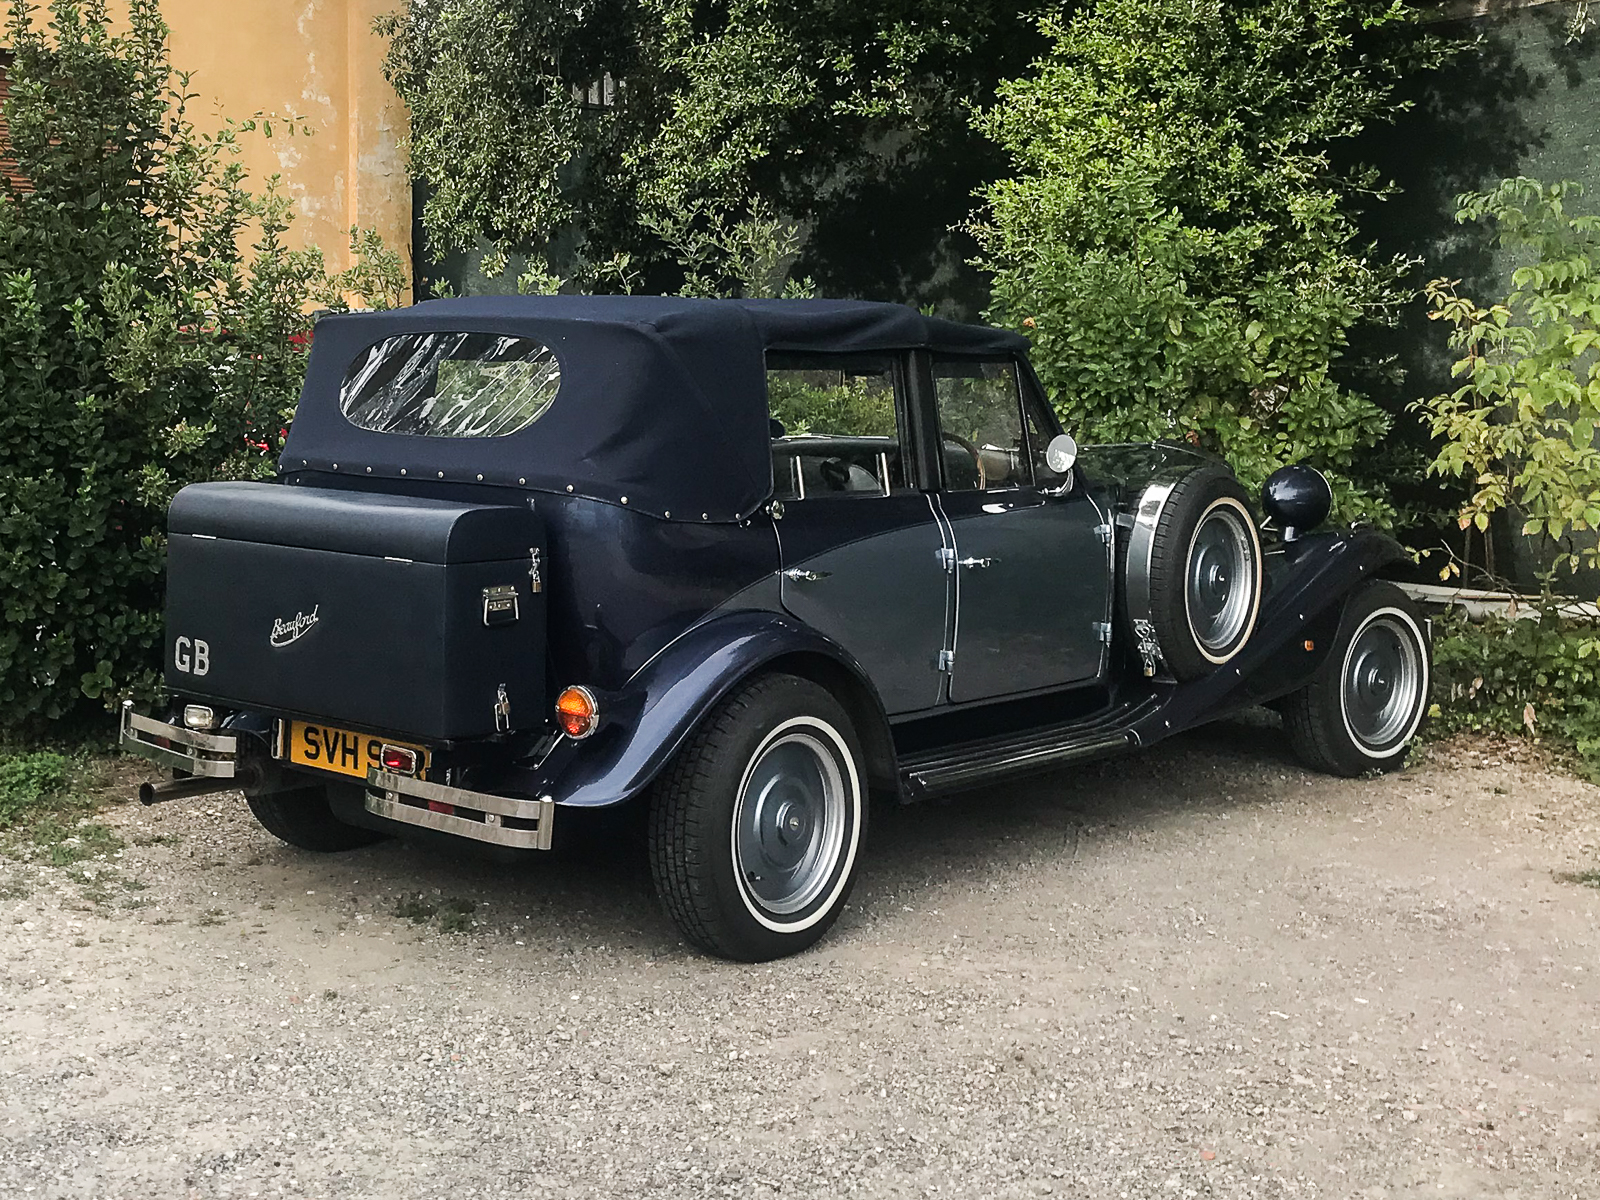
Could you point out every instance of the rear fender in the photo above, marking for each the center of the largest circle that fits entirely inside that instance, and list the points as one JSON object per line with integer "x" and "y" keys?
{"x": 1303, "y": 609}
{"x": 645, "y": 722}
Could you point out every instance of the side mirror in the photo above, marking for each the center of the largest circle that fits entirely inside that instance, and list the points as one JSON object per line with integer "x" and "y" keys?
{"x": 1060, "y": 456}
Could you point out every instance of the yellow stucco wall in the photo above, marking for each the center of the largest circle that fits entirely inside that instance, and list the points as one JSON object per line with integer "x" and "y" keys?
{"x": 318, "y": 60}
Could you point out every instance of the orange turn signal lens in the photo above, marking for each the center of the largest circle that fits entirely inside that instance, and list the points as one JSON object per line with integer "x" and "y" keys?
{"x": 577, "y": 712}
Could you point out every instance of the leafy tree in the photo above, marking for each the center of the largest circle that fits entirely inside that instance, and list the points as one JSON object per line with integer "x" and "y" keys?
{"x": 660, "y": 139}
{"x": 152, "y": 325}
{"x": 1522, "y": 426}
{"x": 1172, "y": 235}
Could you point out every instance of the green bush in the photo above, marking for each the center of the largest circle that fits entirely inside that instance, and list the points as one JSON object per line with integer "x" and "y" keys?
{"x": 1539, "y": 678}
{"x": 29, "y": 784}
{"x": 1174, "y": 237}
{"x": 151, "y": 331}
{"x": 711, "y": 119}
{"x": 1522, "y": 426}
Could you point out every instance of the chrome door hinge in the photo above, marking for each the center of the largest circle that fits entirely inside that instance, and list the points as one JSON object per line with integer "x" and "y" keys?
{"x": 535, "y": 575}
{"x": 947, "y": 661}
{"x": 775, "y": 509}
{"x": 502, "y": 711}
{"x": 947, "y": 559}
{"x": 1103, "y": 631}
{"x": 1104, "y": 532}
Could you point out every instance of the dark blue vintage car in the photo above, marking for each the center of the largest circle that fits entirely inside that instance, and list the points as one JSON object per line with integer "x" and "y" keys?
{"x": 746, "y": 563}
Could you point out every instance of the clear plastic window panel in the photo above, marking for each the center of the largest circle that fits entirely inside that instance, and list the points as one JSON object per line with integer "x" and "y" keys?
{"x": 453, "y": 385}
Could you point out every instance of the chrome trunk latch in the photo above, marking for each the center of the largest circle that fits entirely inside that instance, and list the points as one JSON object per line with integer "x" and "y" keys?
{"x": 535, "y": 578}
{"x": 502, "y": 711}
{"x": 500, "y": 605}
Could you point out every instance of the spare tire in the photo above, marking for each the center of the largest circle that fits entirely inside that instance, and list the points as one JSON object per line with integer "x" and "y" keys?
{"x": 1192, "y": 576}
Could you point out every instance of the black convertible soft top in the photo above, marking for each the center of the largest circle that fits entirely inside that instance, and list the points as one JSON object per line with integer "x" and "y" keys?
{"x": 662, "y": 400}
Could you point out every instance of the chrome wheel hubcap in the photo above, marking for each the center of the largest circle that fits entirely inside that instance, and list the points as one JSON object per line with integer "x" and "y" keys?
{"x": 789, "y": 823}
{"x": 1382, "y": 682}
{"x": 1219, "y": 587}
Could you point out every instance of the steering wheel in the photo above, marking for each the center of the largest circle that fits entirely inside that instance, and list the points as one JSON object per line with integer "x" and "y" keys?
{"x": 977, "y": 459}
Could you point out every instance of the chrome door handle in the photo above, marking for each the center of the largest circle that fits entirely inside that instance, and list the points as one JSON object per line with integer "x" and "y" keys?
{"x": 978, "y": 562}
{"x": 799, "y": 575}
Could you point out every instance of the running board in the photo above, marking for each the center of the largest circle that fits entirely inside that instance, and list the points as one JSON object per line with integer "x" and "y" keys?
{"x": 938, "y": 772}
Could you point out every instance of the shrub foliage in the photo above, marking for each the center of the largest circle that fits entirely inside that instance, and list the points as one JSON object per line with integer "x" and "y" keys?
{"x": 616, "y": 141}
{"x": 151, "y": 322}
{"x": 1173, "y": 236}
{"x": 1539, "y": 678}
{"x": 1522, "y": 426}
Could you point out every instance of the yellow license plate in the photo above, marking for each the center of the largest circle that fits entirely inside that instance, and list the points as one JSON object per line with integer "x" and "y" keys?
{"x": 344, "y": 751}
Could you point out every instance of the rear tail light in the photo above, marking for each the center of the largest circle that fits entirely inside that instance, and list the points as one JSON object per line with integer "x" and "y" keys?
{"x": 398, "y": 760}
{"x": 577, "y": 712}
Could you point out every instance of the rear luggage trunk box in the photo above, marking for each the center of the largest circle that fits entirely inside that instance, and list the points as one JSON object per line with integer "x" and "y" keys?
{"x": 397, "y": 613}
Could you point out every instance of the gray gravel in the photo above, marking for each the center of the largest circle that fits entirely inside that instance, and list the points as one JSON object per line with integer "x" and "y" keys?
{"x": 1201, "y": 972}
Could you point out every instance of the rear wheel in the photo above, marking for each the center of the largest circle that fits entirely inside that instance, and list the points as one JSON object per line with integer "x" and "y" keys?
{"x": 1364, "y": 705}
{"x": 301, "y": 815}
{"x": 757, "y": 824}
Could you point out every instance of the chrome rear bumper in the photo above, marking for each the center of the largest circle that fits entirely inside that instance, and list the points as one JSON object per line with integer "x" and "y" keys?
{"x": 500, "y": 820}
{"x": 208, "y": 755}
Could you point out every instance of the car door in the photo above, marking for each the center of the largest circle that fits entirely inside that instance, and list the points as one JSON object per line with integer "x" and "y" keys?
{"x": 859, "y": 543}
{"x": 1032, "y": 568}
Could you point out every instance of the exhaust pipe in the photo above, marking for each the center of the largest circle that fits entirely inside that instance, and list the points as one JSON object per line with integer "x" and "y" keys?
{"x": 197, "y": 785}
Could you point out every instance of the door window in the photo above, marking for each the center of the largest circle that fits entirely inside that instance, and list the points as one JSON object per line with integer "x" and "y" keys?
{"x": 1036, "y": 417}
{"x": 835, "y": 427}
{"x": 983, "y": 445}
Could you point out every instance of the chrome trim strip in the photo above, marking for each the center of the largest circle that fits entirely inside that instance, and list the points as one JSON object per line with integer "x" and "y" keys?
{"x": 945, "y": 663}
{"x": 1109, "y": 539}
{"x": 941, "y": 778}
{"x": 1141, "y": 545}
{"x": 216, "y": 743}
{"x": 385, "y": 789}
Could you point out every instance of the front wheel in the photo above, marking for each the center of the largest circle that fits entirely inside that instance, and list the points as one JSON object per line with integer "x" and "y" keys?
{"x": 757, "y": 824}
{"x": 1364, "y": 705}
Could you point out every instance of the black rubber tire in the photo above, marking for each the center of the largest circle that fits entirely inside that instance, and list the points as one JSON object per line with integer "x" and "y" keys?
{"x": 692, "y": 810}
{"x": 1314, "y": 716}
{"x": 302, "y": 817}
{"x": 1192, "y": 498}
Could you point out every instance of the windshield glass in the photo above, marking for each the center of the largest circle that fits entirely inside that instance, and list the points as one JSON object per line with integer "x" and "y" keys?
{"x": 455, "y": 385}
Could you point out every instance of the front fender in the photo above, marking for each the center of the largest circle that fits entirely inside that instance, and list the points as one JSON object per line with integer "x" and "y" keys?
{"x": 1306, "y": 603}
{"x": 648, "y": 719}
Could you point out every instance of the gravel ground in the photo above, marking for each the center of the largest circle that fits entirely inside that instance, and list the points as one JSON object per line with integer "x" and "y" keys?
{"x": 1201, "y": 972}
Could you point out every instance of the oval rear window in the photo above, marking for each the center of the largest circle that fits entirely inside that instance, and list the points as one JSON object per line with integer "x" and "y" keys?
{"x": 454, "y": 385}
